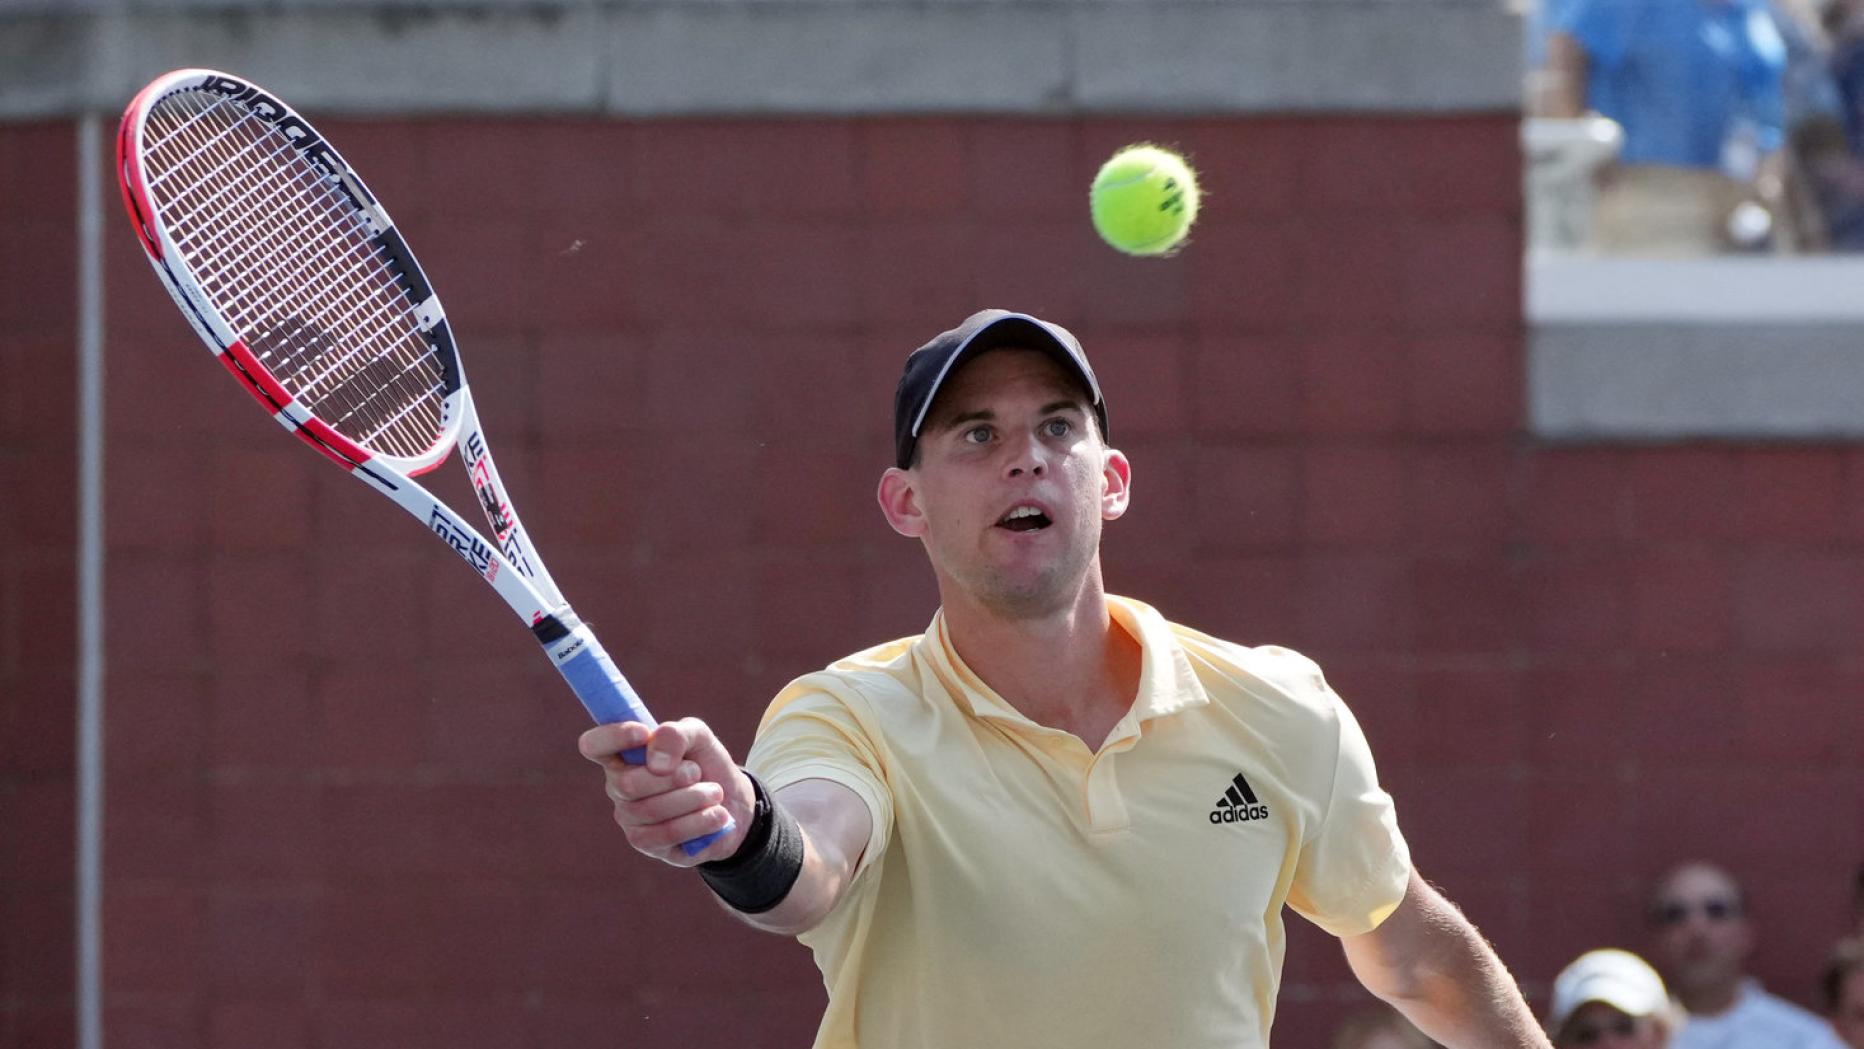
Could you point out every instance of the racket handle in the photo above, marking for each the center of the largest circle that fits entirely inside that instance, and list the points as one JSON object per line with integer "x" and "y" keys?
{"x": 604, "y": 692}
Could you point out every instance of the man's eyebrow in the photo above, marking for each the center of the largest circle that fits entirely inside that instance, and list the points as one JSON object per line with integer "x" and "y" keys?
{"x": 955, "y": 421}
{"x": 986, "y": 415}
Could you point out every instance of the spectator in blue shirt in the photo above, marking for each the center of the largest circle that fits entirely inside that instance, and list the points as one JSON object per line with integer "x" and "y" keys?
{"x": 1697, "y": 86}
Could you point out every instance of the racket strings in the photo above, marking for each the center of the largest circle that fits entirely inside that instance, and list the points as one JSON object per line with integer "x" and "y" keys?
{"x": 295, "y": 342}
{"x": 323, "y": 265}
{"x": 320, "y": 266}
{"x": 288, "y": 259}
{"x": 301, "y": 346}
{"x": 303, "y": 266}
{"x": 246, "y": 211}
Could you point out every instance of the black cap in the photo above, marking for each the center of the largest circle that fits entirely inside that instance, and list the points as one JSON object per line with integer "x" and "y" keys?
{"x": 928, "y": 366}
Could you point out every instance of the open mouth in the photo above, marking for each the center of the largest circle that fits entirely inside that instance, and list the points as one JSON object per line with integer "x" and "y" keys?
{"x": 1024, "y": 519}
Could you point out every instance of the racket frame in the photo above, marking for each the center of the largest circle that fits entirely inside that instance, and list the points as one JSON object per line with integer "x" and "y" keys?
{"x": 509, "y": 563}
{"x": 512, "y": 565}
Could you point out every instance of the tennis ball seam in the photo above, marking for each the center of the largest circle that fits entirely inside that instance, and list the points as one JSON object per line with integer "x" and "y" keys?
{"x": 1140, "y": 177}
{"x": 1153, "y": 187}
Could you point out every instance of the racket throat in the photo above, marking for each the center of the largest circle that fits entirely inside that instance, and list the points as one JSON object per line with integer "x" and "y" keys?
{"x": 553, "y": 628}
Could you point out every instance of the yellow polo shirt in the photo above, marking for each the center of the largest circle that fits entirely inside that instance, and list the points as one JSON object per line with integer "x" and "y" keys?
{"x": 1021, "y": 890}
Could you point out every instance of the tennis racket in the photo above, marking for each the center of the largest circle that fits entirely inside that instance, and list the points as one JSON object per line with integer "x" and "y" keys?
{"x": 293, "y": 275}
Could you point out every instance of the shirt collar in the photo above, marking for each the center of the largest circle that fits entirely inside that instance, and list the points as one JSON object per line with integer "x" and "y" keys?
{"x": 1167, "y": 682}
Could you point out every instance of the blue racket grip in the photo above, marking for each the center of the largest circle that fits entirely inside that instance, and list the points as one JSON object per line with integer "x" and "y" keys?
{"x": 606, "y": 694}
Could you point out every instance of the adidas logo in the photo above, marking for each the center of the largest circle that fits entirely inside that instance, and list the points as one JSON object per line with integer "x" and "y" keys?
{"x": 1238, "y": 804}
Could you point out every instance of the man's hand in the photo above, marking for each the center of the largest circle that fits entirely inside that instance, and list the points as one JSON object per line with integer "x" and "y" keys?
{"x": 688, "y": 788}
{"x": 688, "y": 785}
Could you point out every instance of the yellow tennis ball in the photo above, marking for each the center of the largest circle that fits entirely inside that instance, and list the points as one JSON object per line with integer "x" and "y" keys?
{"x": 1144, "y": 200}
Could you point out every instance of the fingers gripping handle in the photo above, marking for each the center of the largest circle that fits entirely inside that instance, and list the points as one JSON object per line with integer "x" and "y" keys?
{"x": 596, "y": 681}
{"x": 608, "y": 697}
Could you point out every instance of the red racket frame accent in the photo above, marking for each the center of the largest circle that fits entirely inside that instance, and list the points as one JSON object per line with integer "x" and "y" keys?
{"x": 258, "y": 381}
{"x": 253, "y": 375}
{"x": 129, "y": 169}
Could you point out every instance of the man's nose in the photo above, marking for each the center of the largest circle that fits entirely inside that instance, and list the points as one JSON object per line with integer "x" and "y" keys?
{"x": 1026, "y": 455}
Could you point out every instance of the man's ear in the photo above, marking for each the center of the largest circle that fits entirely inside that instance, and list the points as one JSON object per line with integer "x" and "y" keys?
{"x": 1116, "y": 488}
{"x": 899, "y": 500}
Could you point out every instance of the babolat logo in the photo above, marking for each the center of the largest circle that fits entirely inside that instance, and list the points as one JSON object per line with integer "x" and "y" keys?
{"x": 1238, "y": 804}
{"x": 273, "y": 112}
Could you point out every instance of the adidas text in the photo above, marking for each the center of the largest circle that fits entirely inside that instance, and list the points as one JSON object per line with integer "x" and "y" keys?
{"x": 1238, "y": 804}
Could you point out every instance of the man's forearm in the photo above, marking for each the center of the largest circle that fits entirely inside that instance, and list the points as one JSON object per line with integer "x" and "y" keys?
{"x": 1473, "y": 1003}
{"x": 834, "y": 826}
{"x": 818, "y": 886}
{"x": 1429, "y": 962}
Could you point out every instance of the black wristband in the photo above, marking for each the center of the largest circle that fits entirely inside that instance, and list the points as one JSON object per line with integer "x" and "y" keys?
{"x": 759, "y": 875}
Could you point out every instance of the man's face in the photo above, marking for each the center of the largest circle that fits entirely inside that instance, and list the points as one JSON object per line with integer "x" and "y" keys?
{"x": 1848, "y": 1017}
{"x": 1011, "y": 485}
{"x": 1702, "y": 936}
{"x": 1596, "y": 1025}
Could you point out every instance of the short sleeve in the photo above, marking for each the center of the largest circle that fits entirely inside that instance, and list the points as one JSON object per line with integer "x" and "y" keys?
{"x": 1353, "y": 871}
{"x": 809, "y": 732}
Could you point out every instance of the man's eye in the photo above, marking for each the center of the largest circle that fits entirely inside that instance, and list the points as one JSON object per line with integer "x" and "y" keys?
{"x": 1057, "y": 428}
{"x": 977, "y": 435}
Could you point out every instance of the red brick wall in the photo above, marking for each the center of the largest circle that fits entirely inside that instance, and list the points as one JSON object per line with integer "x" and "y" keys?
{"x": 38, "y": 405}
{"x": 344, "y": 802}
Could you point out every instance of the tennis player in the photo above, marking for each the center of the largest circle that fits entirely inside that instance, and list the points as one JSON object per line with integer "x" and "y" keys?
{"x": 1054, "y": 818}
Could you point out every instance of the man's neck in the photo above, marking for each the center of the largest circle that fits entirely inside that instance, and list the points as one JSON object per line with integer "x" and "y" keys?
{"x": 1075, "y": 670}
{"x": 1710, "y": 1001}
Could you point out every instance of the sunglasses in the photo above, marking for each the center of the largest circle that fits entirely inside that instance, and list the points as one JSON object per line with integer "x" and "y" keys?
{"x": 1591, "y": 1034}
{"x": 1676, "y": 912}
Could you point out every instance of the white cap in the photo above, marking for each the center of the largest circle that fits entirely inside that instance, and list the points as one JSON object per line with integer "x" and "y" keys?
{"x": 1620, "y": 979}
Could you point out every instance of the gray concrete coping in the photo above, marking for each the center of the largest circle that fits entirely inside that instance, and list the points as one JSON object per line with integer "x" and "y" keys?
{"x": 672, "y": 57}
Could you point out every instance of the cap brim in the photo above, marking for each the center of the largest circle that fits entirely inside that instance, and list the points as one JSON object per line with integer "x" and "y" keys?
{"x": 1632, "y": 993}
{"x": 1022, "y": 331}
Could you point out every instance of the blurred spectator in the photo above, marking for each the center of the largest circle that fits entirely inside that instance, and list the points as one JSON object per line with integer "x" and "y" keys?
{"x": 1698, "y": 86}
{"x": 1844, "y": 991}
{"x": 1823, "y": 186}
{"x": 1613, "y": 999}
{"x": 1807, "y": 89}
{"x": 1380, "y": 1027}
{"x": 1828, "y": 148}
{"x": 1833, "y": 179}
{"x": 1844, "y": 25}
{"x": 1702, "y": 940}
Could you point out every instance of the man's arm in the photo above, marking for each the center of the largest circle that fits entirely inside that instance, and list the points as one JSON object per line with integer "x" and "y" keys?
{"x": 1560, "y": 86}
{"x": 1428, "y": 961}
{"x": 689, "y": 785}
{"x": 835, "y": 825}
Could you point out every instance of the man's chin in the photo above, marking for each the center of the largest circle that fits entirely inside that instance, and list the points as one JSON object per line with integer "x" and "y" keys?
{"x": 1033, "y": 599}
{"x": 1701, "y": 980}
